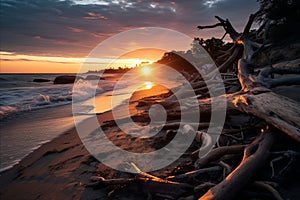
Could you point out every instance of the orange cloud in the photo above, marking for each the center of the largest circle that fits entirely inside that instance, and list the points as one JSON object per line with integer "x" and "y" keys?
{"x": 76, "y": 30}
{"x": 92, "y": 15}
{"x": 17, "y": 63}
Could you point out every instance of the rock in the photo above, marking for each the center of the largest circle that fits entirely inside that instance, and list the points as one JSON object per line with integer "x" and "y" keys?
{"x": 41, "y": 80}
{"x": 94, "y": 77}
{"x": 65, "y": 79}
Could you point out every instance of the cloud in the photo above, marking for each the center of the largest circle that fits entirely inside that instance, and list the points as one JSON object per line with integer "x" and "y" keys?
{"x": 211, "y": 3}
{"x": 92, "y": 15}
{"x": 75, "y": 27}
{"x": 11, "y": 57}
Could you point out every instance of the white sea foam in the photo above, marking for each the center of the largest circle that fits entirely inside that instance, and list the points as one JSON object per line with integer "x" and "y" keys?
{"x": 21, "y": 94}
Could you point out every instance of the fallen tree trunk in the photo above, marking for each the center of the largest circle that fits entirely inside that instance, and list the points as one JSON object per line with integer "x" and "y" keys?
{"x": 255, "y": 156}
{"x": 255, "y": 97}
{"x": 283, "y": 113}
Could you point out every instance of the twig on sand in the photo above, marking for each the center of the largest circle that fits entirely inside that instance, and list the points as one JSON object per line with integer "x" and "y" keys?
{"x": 146, "y": 175}
{"x": 148, "y": 183}
{"x": 269, "y": 188}
{"x": 194, "y": 174}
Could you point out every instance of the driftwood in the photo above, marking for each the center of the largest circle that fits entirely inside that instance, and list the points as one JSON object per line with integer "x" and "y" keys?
{"x": 203, "y": 186}
{"x": 269, "y": 188}
{"x": 281, "y": 112}
{"x": 256, "y": 99}
{"x": 145, "y": 185}
{"x": 254, "y": 158}
{"x": 194, "y": 174}
{"x": 146, "y": 182}
{"x": 250, "y": 92}
{"x": 217, "y": 153}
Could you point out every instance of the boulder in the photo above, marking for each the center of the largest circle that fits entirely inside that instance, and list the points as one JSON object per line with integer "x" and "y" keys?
{"x": 41, "y": 80}
{"x": 65, "y": 79}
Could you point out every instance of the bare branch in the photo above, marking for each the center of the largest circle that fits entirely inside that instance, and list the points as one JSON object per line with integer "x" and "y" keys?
{"x": 194, "y": 174}
{"x": 226, "y": 25}
{"x": 253, "y": 160}
{"x": 229, "y": 61}
{"x": 217, "y": 153}
{"x": 146, "y": 175}
{"x": 203, "y": 186}
{"x": 268, "y": 187}
{"x": 210, "y": 26}
{"x": 145, "y": 184}
{"x": 249, "y": 24}
{"x": 286, "y": 71}
{"x": 283, "y": 81}
{"x": 224, "y": 35}
{"x": 266, "y": 71}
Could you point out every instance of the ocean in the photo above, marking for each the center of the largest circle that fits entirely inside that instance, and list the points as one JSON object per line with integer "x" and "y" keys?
{"x": 33, "y": 113}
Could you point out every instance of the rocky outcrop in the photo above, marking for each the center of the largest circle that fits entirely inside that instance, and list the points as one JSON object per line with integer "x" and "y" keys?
{"x": 65, "y": 79}
{"x": 41, "y": 80}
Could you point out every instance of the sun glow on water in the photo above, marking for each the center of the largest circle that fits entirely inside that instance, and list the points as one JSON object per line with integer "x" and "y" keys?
{"x": 148, "y": 85}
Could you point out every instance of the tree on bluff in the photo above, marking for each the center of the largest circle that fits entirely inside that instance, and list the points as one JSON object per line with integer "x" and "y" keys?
{"x": 279, "y": 18}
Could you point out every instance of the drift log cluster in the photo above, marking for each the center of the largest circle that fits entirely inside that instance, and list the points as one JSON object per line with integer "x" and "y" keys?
{"x": 248, "y": 91}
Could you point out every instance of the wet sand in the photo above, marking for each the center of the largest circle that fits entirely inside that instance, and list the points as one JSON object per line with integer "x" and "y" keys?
{"x": 61, "y": 168}
{"x": 24, "y": 132}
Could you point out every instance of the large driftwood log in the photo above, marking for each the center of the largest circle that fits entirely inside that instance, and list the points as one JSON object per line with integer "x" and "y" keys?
{"x": 283, "y": 113}
{"x": 255, "y": 97}
{"x": 255, "y": 156}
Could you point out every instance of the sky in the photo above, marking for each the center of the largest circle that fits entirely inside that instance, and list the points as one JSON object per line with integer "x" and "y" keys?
{"x": 56, "y": 35}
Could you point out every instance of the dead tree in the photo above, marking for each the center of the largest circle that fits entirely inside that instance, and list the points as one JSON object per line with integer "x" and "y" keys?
{"x": 256, "y": 98}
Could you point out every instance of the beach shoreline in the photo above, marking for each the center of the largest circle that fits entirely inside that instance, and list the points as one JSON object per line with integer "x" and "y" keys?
{"x": 26, "y": 128}
{"x": 61, "y": 168}
{"x": 21, "y": 133}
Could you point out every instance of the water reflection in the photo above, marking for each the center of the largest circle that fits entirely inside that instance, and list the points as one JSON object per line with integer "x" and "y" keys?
{"x": 148, "y": 85}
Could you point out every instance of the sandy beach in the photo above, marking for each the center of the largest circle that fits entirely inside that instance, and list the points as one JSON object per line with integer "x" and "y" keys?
{"x": 61, "y": 168}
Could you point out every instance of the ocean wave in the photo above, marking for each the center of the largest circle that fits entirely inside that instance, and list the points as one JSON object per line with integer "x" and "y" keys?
{"x": 4, "y": 110}
{"x": 19, "y": 99}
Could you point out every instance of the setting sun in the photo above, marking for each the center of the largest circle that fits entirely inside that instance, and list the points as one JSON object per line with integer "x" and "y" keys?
{"x": 146, "y": 70}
